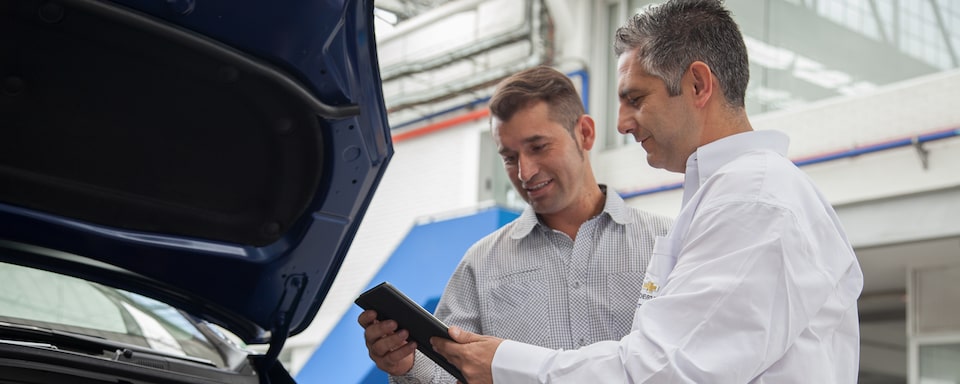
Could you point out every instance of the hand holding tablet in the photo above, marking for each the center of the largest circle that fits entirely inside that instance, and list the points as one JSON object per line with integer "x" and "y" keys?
{"x": 392, "y": 304}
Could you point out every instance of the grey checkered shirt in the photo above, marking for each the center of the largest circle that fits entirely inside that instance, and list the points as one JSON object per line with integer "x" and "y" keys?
{"x": 529, "y": 283}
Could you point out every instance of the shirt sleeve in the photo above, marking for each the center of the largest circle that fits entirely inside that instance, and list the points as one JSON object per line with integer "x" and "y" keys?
{"x": 423, "y": 369}
{"x": 459, "y": 305}
{"x": 747, "y": 281}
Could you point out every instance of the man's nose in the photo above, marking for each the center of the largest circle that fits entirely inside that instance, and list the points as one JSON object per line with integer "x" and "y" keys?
{"x": 527, "y": 168}
{"x": 625, "y": 122}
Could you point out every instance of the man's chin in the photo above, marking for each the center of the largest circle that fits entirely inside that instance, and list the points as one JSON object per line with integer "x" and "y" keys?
{"x": 542, "y": 207}
{"x": 655, "y": 162}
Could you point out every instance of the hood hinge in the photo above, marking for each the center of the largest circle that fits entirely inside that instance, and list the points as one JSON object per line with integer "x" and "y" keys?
{"x": 270, "y": 371}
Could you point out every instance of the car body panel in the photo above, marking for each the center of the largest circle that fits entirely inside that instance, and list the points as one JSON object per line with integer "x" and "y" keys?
{"x": 215, "y": 156}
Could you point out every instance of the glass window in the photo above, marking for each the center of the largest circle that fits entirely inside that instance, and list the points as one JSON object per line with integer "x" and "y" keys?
{"x": 931, "y": 288}
{"x": 42, "y": 299}
{"x": 39, "y": 296}
{"x": 938, "y": 363}
{"x": 805, "y": 50}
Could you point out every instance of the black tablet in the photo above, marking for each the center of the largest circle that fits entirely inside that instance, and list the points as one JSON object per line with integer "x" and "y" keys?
{"x": 392, "y": 304}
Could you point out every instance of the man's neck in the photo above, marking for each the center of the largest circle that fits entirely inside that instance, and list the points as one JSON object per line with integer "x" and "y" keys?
{"x": 569, "y": 221}
{"x": 723, "y": 122}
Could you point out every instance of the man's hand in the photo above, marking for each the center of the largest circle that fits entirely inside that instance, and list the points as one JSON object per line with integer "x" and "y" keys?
{"x": 387, "y": 346}
{"x": 470, "y": 352}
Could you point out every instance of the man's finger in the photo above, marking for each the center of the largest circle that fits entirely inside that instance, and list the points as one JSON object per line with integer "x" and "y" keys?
{"x": 449, "y": 349}
{"x": 461, "y": 336}
{"x": 367, "y": 318}
{"x": 379, "y": 330}
{"x": 388, "y": 343}
{"x": 400, "y": 352}
{"x": 398, "y": 361}
{"x": 446, "y": 348}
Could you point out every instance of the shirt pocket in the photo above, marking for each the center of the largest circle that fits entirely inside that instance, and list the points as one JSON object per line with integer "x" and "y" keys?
{"x": 518, "y": 307}
{"x": 661, "y": 264}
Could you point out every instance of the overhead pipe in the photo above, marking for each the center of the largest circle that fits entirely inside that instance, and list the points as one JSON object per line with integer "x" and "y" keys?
{"x": 409, "y": 68}
{"x": 443, "y": 11}
{"x": 471, "y": 116}
{"x": 475, "y": 115}
{"x": 537, "y": 56}
{"x": 469, "y": 105}
{"x": 917, "y": 141}
{"x": 890, "y": 144}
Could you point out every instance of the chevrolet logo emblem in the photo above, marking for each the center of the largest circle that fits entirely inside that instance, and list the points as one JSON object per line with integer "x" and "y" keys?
{"x": 650, "y": 286}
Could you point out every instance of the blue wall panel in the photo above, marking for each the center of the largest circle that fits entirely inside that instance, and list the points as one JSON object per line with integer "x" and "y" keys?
{"x": 420, "y": 267}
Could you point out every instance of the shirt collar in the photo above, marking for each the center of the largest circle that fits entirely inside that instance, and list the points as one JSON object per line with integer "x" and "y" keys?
{"x": 616, "y": 207}
{"x": 613, "y": 205}
{"x": 707, "y": 159}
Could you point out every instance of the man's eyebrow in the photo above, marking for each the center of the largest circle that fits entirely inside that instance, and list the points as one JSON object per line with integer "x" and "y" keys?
{"x": 624, "y": 93}
{"x": 534, "y": 138}
{"x": 528, "y": 140}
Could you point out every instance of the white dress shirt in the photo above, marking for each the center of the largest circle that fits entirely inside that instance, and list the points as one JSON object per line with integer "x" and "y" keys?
{"x": 755, "y": 283}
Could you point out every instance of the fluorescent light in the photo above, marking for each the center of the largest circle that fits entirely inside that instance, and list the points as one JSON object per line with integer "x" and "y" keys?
{"x": 804, "y": 68}
{"x": 767, "y": 55}
{"x": 857, "y": 88}
{"x": 815, "y": 72}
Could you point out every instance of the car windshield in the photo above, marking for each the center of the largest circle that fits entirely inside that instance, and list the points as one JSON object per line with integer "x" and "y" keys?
{"x": 47, "y": 300}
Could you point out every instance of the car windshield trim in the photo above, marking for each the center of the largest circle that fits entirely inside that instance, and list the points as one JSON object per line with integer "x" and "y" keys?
{"x": 30, "y": 335}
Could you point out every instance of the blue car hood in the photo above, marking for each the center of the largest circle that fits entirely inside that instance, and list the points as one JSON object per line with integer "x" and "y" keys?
{"x": 216, "y": 155}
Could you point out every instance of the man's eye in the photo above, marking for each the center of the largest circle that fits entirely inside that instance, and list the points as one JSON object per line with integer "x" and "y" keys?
{"x": 509, "y": 160}
{"x": 538, "y": 148}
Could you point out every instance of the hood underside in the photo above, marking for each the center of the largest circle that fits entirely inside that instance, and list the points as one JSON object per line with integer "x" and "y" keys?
{"x": 218, "y": 157}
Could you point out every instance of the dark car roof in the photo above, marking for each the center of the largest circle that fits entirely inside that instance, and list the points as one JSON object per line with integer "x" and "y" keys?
{"x": 215, "y": 155}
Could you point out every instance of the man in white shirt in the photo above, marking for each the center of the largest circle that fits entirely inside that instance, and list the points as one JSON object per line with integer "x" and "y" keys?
{"x": 564, "y": 274}
{"x": 756, "y": 282}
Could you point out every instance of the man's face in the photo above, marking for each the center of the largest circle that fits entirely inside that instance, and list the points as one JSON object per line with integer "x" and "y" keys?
{"x": 665, "y": 126}
{"x": 544, "y": 162}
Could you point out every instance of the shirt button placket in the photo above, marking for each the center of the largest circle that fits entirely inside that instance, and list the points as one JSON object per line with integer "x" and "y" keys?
{"x": 580, "y": 258}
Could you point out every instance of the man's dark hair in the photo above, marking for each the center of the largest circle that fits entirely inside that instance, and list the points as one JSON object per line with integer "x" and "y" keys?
{"x": 668, "y": 37}
{"x": 541, "y": 83}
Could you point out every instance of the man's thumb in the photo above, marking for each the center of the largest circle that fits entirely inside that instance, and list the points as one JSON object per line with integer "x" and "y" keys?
{"x": 458, "y": 334}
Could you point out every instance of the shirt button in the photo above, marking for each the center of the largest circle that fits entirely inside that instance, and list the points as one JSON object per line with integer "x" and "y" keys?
{"x": 576, "y": 284}
{"x": 581, "y": 341}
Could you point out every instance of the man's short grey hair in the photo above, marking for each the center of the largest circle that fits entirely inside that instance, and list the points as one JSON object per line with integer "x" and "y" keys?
{"x": 668, "y": 37}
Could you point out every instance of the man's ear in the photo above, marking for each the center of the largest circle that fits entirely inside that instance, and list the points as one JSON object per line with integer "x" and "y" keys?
{"x": 586, "y": 131}
{"x": 702, "y": 82}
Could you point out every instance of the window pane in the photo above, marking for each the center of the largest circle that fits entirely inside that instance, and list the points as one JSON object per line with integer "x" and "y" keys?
{"x": 938, "y": 364}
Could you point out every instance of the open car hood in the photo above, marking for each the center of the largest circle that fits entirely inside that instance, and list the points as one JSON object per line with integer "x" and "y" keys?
{"x": 215, "y": 155}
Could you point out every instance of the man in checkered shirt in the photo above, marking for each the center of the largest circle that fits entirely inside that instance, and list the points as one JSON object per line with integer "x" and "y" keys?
{"x": 568, "y": 271}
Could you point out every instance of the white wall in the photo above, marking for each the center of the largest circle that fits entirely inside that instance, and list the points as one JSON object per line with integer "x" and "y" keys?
{"x": 897, "y": 111}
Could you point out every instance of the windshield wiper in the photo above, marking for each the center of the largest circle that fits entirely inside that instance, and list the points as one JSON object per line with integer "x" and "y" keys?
{"x": 28, "y": 350}
{"x": 27, "y": 335}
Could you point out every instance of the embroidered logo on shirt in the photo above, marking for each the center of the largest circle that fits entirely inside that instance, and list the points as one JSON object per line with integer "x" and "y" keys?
{"x": 647, "y": 291}
{"x": 650, "y": 287}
